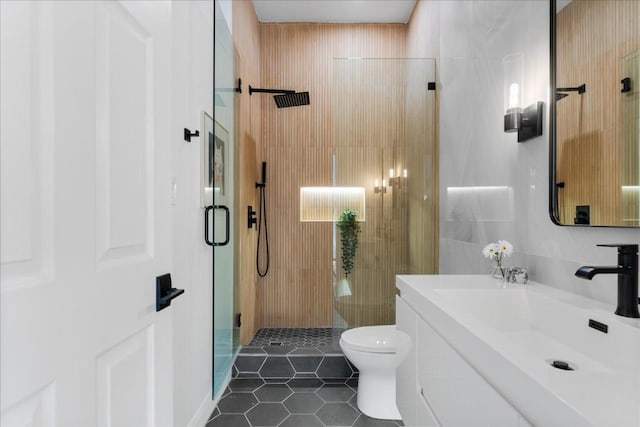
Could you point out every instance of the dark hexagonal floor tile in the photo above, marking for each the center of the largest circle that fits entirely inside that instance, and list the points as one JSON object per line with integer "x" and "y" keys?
{"x": 306, "y": 351}
{"x": 335, "y": 393}
{"x": 214, "y": 414}
{"x": 298, "y": 420}
{"x": 267, "y": 414}
{"x": 305, "y": 363}
{"x": 278, "y": 349}
{"x": 252, "y": 350}
{"x": 305, "y": 384}
{"x": 273, "y": 392}
{"x": 303, "y": 403}
{"x": 334, "y": 367}
{"x": 337, "y": 414}
{"x": 364, "y": 421}
{"x": 399, "y": 422}
{"x": 277, "y": 367}
{"x": 245, "y": 384}
{"x": 249, "y": 363}
{"x": 237, "y": 403}
{"x": 333, "y": 349}
{"x": 229, "y": 420}
{"x": 354, "y": 401}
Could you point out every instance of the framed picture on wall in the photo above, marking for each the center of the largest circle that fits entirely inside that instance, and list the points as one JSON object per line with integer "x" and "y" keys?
{"x": 214, "y": 142}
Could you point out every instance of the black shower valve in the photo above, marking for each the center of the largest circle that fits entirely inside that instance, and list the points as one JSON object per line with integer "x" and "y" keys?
{"x": 251, "y": 217}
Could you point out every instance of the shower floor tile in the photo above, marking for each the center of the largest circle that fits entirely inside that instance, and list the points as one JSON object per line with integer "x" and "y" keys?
{"x": 286, "y": 404}
{"x": 298, "y": 337}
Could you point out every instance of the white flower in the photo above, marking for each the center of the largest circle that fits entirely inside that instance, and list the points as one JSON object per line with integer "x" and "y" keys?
{"x": 490, "y": 250}
{"x": 505, "y": 247}
{"x": 498, "y": 250}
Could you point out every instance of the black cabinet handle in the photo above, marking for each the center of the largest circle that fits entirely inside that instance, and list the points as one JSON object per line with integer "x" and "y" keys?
{"x": 227, "y": 225}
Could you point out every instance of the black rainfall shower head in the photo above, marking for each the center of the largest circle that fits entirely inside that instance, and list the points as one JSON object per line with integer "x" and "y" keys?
{"x": 284, "y": 98}
{"x": 292, "y": 99}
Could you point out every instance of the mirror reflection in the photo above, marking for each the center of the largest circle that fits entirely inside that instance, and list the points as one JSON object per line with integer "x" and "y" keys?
{"x": 597, "y": 58}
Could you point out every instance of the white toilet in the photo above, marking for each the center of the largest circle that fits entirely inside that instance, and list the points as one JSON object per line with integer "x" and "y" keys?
{"x": 376, "y": 351}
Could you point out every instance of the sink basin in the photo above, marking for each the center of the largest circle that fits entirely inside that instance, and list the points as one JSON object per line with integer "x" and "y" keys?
{"x": 512, "y": 333}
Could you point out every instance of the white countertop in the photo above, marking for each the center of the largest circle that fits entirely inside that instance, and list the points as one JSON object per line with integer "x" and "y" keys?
{"x": 510, "y": 332}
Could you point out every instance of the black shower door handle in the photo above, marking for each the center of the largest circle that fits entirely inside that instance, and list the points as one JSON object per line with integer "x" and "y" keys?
{"x": 227, "y": 225}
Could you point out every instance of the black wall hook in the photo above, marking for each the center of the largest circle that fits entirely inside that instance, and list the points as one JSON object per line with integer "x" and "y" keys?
{"x": 188, "y": 134}
{"x": 626, "y": 85}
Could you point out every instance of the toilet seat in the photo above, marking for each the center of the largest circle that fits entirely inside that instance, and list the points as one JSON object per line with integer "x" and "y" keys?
{"x": 374, "y": 339}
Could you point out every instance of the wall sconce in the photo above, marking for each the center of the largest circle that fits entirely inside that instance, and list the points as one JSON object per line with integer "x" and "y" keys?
{"x": 396, "y": 179}
{"x": 378, "y": 189}
{"x": 528, "y": 121}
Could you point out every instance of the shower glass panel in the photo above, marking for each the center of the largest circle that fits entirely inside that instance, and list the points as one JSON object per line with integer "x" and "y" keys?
{"x": 220, "y": 140}
{"x": 630, "y": 130}
{"x": 385, "y": 140}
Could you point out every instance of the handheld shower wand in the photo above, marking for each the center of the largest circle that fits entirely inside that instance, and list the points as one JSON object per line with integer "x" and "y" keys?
{"x": 262, "y": 219}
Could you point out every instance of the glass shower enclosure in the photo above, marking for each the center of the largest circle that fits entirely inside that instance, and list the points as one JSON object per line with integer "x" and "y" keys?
{"x": 218, "y": 197}
{"x": 385, "y": 140}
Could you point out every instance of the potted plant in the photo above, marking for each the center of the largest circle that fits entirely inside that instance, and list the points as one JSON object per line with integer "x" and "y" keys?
{"x": 349, "y": 229}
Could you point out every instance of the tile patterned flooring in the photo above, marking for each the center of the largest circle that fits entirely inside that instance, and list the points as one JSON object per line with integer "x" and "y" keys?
{"x": 298, "y": 337}
{"x": 302, "y": 402}
{"x": 293, "y": 377}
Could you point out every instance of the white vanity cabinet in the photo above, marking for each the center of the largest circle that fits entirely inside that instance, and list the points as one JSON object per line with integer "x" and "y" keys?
{"x": 437, "y": 387}
{"x": 410, "y": 402}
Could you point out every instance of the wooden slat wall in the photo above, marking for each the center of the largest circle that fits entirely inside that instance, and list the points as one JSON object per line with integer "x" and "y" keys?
{"x": 247, "y": 41}
{"x": 297, "y": 146}
{"x": 592, "y": 38}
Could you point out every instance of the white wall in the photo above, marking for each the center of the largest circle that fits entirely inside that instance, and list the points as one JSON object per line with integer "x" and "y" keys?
{"x": 470, "y": 39}
{"x": 192, "y": 269}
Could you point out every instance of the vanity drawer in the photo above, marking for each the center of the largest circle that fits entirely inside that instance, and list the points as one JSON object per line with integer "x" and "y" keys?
{"x": 454, "y": 391}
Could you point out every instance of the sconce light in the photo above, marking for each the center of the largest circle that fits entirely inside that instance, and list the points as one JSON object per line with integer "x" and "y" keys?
{"x": 528, "y": 121}
{"x": 378, "y": 189}
{"x": 395, "y": 179}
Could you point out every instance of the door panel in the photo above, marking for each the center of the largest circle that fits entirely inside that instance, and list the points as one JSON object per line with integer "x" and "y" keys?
{"x": 26, "y": 155}
{"x": 85, "y": 213}
{"x": 124, "y": 135}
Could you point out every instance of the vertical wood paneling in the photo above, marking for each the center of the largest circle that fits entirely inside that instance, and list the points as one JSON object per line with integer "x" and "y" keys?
{"x": 247, "y": 41}
{"x": 592, "y": 39}
{"x": 297, "y": 146}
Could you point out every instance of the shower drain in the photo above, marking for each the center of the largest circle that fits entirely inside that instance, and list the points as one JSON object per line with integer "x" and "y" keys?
{"x": 562, "y": 365}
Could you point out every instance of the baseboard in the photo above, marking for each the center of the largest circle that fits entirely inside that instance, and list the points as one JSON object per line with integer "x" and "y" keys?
{"x": 201, "y": 417}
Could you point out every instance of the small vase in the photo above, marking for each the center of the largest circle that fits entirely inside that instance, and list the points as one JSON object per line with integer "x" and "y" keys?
{"x": 498, "y": 269}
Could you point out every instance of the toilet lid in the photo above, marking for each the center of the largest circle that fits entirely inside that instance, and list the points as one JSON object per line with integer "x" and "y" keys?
{"x": 375, "y": 339}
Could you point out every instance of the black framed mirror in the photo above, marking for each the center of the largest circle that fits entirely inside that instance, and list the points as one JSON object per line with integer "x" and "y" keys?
{"x": 594, "y": 158}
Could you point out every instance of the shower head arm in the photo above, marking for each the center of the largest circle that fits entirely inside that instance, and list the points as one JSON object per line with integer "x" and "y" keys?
{"x": 277, "y": 91}
{"x": 580, "y": 89}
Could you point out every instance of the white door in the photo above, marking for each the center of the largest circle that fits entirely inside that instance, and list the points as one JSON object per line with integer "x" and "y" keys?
{"x": 85, "y": 213}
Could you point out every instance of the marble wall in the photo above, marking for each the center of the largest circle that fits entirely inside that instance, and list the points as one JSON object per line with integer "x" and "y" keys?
{"x": 469, "y": 40}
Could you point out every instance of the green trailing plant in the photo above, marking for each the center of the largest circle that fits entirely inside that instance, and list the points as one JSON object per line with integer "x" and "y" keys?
{"x": 349, "y": 230}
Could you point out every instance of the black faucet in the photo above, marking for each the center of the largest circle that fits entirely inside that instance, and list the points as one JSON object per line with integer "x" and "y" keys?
{"x": 627, "y": 271}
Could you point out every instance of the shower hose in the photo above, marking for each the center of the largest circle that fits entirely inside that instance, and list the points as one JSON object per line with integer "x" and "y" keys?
{"x": 262, "y": 219}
